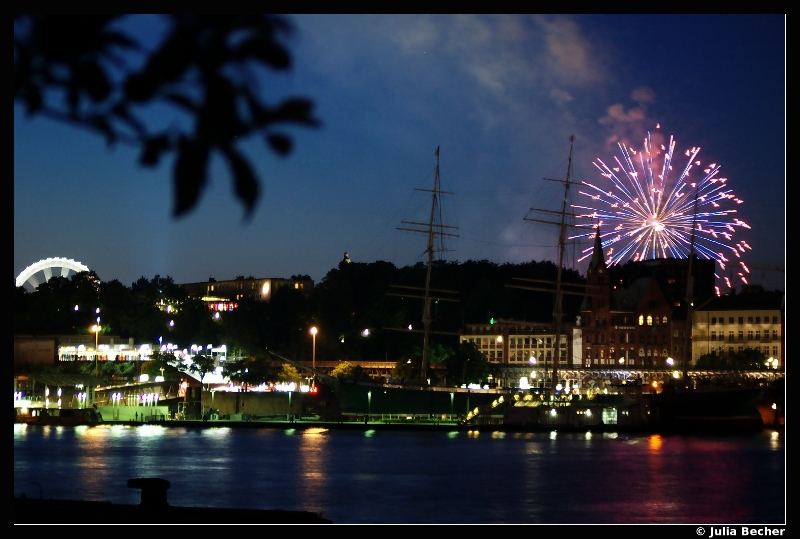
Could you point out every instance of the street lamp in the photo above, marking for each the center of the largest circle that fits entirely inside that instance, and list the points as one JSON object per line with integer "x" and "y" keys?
{"x": 369, "y": 404}
{"x": 96, "y": 328}
{"x": 314, "y": 347}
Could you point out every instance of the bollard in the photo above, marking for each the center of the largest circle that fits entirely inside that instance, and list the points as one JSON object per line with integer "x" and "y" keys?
{"x": 154, "y": 491}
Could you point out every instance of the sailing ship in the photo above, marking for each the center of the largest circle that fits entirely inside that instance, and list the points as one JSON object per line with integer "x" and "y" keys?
{"x": 412, "y": 401}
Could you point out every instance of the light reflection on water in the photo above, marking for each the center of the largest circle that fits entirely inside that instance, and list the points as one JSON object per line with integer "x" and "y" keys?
{"x": 377, "y": 476}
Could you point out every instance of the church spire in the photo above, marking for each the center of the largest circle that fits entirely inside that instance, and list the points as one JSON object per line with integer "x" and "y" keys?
{"x": 598, "y": 257}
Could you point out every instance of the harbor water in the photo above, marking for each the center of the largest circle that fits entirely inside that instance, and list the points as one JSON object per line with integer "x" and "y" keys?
{"x": 404, "y": 476}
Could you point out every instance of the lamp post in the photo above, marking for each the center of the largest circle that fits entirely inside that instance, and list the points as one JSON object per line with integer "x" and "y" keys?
{"x": 313, "y": 348}
{"x": 96, "y": 328}
{"x": 369, "y": 405}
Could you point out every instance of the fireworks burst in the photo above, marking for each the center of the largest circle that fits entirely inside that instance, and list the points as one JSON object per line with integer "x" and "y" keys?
{"x": 645, "y": 214}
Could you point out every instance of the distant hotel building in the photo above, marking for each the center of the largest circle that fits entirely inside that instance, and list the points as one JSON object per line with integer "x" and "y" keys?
{"x": 519, "y": 347}
{"x": 753, "y": 319}
{"x": 224, "y": 295}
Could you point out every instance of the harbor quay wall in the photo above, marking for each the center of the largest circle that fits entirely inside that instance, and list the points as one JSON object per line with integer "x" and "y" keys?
{"x": 226, "y": 403}
{"x": 348, "y": 399}
{"x": 134, "y": 413}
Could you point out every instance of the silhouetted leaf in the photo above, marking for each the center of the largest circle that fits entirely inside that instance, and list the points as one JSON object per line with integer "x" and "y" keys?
{"x": 153, "y": 148}
{"x": 295, "y": 110}
{"x": 280, "y": 143}
{"x": 245, "y": 182}
{"x": 101, "y": 124}
{"x": 95, "y": 82}
{"x": 190, "y": 174}
{"x": 265, "y": 50}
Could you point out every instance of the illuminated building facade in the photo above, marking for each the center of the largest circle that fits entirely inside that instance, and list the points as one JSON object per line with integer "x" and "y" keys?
{"x": 224, "y": 295}
{"x": 511, "y": 342}
{"x": 638, "y": 326}
{"x": 733, "y": 322}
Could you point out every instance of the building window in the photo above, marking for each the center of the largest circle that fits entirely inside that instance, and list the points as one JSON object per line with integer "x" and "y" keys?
{"x": 749, "y": 334}
{"x": 758, "y": 319}
{"x": 775, "y": 352}
{"x": 730, "y": 320}
{"x": 730, "y": 336}
{"x": 774, "y": 333}
{"x": 758, "y": 334}
{"x": 641, "y": 319}
{"x": 713, "y": 335}
{"x": 741, "y": 335}
{"x": 749, "y": 319}
{"x": 649, "y": 320}
{"x": 741, "y": 349}
{"x": 611, "y": 338}
{"x": 741, "y": 320}
{"x": 713, "y": 350}
{"x": 641, "y": 338}
{"x": 774, "y": 319}
{"x": 713, "y": 320}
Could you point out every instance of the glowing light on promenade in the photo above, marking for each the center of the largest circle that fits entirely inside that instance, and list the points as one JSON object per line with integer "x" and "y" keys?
{"x": 645, "y": 208}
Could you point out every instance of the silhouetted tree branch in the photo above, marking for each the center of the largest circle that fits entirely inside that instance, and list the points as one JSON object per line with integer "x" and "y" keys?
{"x": 77, "y": 69}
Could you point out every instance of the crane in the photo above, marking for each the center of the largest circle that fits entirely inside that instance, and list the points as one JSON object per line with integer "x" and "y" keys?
{"x": 767, "y": 267}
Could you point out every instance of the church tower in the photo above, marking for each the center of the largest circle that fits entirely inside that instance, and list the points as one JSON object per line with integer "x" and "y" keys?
{"x": 596, "y": 306}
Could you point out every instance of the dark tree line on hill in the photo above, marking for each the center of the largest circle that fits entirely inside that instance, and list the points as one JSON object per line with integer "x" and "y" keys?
{"x": 354, "y": 308}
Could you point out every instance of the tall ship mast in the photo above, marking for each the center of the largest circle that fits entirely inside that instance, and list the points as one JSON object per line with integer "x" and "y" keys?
{"x": 558, "y": 311}
{"x": 687, "y": 348}
{"x": 431, "y": 229}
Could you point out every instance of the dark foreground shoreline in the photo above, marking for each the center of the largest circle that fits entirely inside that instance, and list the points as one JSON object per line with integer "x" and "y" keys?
{"x": 42, "y": 511}
{"x": 153, "y": 509}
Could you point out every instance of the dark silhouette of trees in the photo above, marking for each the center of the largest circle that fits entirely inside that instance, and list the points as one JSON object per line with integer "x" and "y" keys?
{"x": 353, "y": 307}
{"x": 82, "y": 70}
{"x": 466, "y": 365}
{"x": 747, "y": 359}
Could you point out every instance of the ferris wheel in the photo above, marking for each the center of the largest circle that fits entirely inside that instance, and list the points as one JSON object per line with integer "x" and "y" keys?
{"x": 63, "y": 265}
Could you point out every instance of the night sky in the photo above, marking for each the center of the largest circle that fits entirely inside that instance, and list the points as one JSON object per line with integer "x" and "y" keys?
{"x": 500, "y": 95}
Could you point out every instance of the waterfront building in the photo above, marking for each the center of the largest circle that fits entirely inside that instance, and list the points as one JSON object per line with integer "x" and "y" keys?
{"x": 733, "y": 322}
{"x": 50, "y": 349}
{"x": 510, "y": 342}
{"x": 522, "y": 348}
{"x": 224, "y": 295}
